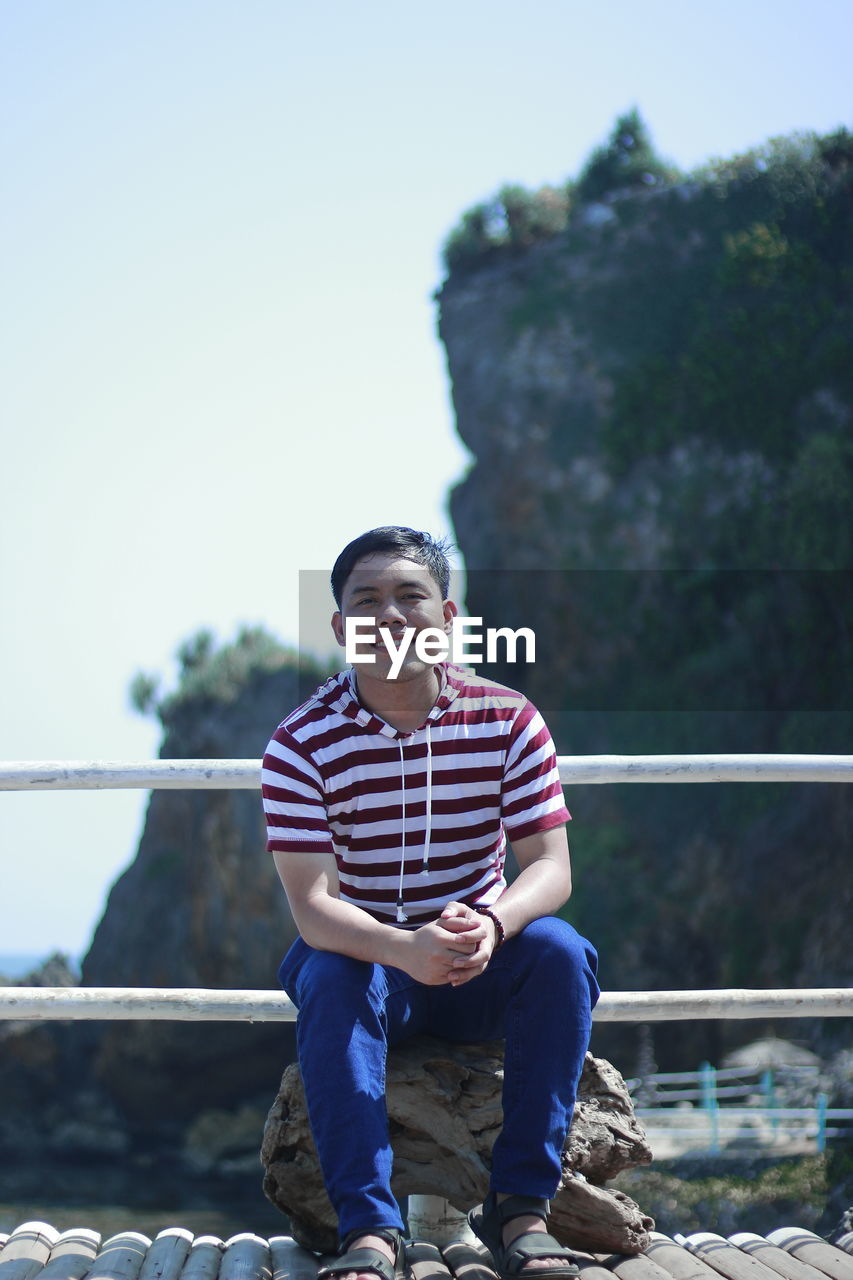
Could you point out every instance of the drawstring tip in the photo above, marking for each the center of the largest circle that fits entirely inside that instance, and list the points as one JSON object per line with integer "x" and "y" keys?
{"x": 401, "y": 915}
{"x": 425, "y": 867}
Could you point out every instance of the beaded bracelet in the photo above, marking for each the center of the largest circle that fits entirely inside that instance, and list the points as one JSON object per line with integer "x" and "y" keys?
{"x": 500, "y": 936}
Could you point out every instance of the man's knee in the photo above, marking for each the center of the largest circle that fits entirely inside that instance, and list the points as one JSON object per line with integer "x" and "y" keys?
{"x": 326, "y": 978}
{"x": 562, "y": 954}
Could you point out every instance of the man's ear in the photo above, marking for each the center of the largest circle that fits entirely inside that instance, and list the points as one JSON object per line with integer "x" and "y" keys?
{"x": 450, "y": 612}
{"x": 338, "y": 628}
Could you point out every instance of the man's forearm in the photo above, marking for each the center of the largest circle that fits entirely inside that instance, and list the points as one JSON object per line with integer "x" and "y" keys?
{"x": 328, "y": 924}
{"x": 542, "y": 887}
{"x": 429, "y": 953}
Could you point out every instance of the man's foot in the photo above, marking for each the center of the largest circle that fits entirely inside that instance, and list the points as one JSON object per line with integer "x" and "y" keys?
{"x": 369, "y": 1242}
{"x": 377, "y": 1264}
{"x": 518, "y": 1227}
{"x": 513, "y": 1230}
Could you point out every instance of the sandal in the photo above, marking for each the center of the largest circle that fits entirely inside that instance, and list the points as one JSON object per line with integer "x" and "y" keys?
{"x": 487, "y": 1223}
{"x": 366, "y": 1258}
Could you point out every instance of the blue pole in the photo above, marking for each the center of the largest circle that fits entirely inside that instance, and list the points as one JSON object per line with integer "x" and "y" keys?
{"x": 822, "y": 1102}
{"x": 708, "y": 1077}
{"x": 768, "y": 1087}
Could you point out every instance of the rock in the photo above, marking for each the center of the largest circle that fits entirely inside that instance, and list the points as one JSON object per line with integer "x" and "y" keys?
{"x": 598, "y": 1219}
{"x": 605, "y": 1136}
{"x": 444, "y": 1110}
{"x": 200, "y": 906}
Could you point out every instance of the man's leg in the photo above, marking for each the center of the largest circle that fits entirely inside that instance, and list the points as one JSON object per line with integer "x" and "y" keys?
{"x": 349, "y": 1011}
{"x": 547, "y": 1029}
{"x": 537, "y": 994}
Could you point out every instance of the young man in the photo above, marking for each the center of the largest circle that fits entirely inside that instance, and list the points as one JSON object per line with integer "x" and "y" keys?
{"x": 389, "y": 796}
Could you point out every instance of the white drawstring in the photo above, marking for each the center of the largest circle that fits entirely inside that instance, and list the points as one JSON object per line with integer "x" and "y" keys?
{"x": 425, "y": 867}
{"x": 401, "y": 915}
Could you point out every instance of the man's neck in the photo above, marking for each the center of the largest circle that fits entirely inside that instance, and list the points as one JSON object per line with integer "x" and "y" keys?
{"x": 404, "y": 704}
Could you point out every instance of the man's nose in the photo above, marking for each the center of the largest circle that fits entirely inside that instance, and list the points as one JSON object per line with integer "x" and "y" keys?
{"x": 390, "y": 614}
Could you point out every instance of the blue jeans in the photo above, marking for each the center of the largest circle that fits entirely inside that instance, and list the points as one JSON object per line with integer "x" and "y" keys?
{"x": 537, "y": 995}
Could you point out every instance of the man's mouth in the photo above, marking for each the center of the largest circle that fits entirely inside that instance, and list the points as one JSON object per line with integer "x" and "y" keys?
{"x": 394, "y": 638}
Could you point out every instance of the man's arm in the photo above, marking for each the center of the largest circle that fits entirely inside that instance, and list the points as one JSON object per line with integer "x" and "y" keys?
{"x": 543, "y": 885}
{"x": 326, "y": 923}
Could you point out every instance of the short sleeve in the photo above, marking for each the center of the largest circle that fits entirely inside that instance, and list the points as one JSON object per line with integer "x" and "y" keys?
{"x": 294, "y": 800}
{"x": 531, "y": 793}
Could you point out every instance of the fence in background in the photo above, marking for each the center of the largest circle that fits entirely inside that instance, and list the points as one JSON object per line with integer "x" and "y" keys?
{"x": 739, "y": 1108}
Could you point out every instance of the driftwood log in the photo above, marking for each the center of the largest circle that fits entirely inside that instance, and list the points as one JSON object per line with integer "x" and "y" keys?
{"x": 444, "y": 1111}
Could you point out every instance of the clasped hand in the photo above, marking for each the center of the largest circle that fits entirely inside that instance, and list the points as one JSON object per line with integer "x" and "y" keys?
{"x": 453, "y": 949}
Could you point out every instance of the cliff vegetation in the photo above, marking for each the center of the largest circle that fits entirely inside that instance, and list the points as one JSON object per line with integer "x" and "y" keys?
{"x": 653, "y": 372}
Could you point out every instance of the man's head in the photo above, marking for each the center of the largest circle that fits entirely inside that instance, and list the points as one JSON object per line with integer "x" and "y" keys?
{"x": 392, "y": 587}
{"x": 405, "y": 544}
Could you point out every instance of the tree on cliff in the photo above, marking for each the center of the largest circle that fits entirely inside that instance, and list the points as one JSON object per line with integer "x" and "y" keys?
{"x": 514, "y": 218}
{"x": 219, "y": 675}
{"x": 628, "y": 159}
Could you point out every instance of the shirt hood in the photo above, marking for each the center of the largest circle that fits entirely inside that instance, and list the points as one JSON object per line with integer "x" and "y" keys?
{"x": 341, "y": 694}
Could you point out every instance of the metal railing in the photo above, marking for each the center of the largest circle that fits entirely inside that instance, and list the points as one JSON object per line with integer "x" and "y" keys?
{"x": 41, "y": 1003}
{"x": 89, "y": 775}
{"x": 201, "y": 1004}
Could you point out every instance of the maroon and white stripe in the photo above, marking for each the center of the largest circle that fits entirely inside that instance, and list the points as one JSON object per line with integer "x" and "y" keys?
{"x": 333, "y": 783}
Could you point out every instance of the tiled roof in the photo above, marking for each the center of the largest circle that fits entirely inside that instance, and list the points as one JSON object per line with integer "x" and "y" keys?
{"x": 37, "y": 1251}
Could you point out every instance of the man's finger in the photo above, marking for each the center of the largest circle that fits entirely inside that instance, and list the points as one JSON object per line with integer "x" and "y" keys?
{"x": 458, "y": 977}
{"x": 456, "y": 924}
{"x": 454, "y": 909}
{"x": 463, "y": 948}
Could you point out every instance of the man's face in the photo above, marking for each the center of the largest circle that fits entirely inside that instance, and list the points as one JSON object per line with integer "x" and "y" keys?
{"x": 392, "y": 594}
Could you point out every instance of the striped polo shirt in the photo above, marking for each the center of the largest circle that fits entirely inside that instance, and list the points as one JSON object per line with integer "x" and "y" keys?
{"x": 414, "y": 820}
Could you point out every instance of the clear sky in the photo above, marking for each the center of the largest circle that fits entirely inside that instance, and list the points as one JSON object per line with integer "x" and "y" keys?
{"x": 221, "y": 231}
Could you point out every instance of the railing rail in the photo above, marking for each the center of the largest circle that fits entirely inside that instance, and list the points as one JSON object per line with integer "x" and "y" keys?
{"x": 25, "y": 1004}
{"x": 87, "y": 775}
{"x": 748, "y": 1076}
{"x": 30, "y": 1003}
{"x": 206, "y": 1005}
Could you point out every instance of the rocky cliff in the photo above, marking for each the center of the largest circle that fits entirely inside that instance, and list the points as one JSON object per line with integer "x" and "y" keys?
{"x": 201, "y": 904}
{"x": 657, "y": 389}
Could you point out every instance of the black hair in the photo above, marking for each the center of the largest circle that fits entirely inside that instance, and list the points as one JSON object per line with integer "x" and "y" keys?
{"x": 409, "y": 544}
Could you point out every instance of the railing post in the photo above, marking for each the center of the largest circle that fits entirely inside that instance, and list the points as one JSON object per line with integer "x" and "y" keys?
{"x": 768, "y": 1088}
{"x": 710, "y": 1105}
{"x": 434, "y": 1219}
{"x": 822, "y": 1102}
